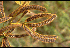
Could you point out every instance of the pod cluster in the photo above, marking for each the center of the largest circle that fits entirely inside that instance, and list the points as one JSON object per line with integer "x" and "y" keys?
{"x": 43, "y": 38}
{"x": 24, "y": 8}
{"x": 45, "y": 22}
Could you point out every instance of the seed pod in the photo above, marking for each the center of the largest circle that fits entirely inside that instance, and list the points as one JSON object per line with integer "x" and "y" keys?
{"x": 23, "y": 9}
{"x": 20, "y": 2}
{"x": 33, "y": 29}
{"x": 2, "y": 9}
{"x": 9, "y": 31}
{"x": 5, "y": 42}
{"x": 39, "y": 36}
{"x": 22, "y": 15}
{"x": 45, "y": 22}
{"x": 23, "y": 2}
{"x": 17, "y": 11}
{"x": 48, "y": 40}
{"x": 36, "y": 16}
{"x": 26, "y": 3}
{"x": 13, "y": 25}
{"x": 4, "y": 19}
{"x": 33, "y": 7}
{"x": 45, "y": 36}
{"x": 17, "y": 36}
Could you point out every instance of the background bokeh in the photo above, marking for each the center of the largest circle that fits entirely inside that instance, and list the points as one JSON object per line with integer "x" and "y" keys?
{"x": 60, "y": 26}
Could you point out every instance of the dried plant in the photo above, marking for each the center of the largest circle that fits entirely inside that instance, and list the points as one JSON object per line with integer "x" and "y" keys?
{"x": 25, "y": 8}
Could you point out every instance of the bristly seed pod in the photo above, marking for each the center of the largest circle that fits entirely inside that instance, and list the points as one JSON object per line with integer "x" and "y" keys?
{"x": 2, "y": 9}
{"x": 9, "y": 31}
{"x": 13, "y": 25}
{"x": 5, "y": 42}
{"x": 40, "y": 37}
{"x": 36, "y": 16}
{"x": 22, "y": 15}
{"x": 23, "y": 2}
{"x": 45, "y": 36}
{"x": 33, "y": 7}
{"x": 45, "y": 22}
{"x": 4, "y": 19}
{"x": 16, "y": 36}
{"x": 22, "y": 8}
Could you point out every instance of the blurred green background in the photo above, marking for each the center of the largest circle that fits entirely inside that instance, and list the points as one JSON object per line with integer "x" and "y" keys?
{"x": 60, "y": 26}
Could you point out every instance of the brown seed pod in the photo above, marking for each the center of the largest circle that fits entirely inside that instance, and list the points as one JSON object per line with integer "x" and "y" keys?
{"x": 16, "y": 36}
{"x": 33, "y": 7}
{"x": 5, "y": 42}
{"x": 45, "y": 36}
{"x": 23, "y": 2}
{"x": 22, "y": 15}
{"x": 17, "y": 11}
{"x": 48, "y": 40}
{"x": 45, "y": 22}
{"x": 36, "y": 16}
{"x": 2, "y": 9}
{"x": 18, "y": 20}
{"x": 33, "y": 29}
{"x": 9, "y": 31}
{"x": 26, "y": 3}
{"x": 13, "y": 25}
{"x": 38, "y": 36}
{"x": 4, "y": 19}
{"x": 25, "y": 8}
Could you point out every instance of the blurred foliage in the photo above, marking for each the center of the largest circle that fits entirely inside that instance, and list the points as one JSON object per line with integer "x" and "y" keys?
{"x": 60, "y": 26}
